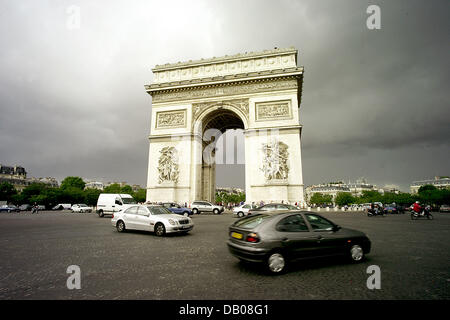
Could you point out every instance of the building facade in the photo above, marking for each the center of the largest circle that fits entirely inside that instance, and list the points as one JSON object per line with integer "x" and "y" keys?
{"x": 17, "y": 176}
{"x": 438, "y": 182}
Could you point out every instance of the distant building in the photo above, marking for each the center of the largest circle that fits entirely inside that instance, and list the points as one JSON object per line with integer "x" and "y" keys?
{"x": 392, "y": 188}
{"x": 94, "y": 185}
{"x": 17, "y": 176}
{"x": 333, "y": 188}
{"x": 325, "y": 189}
{"x": 438, "y": 182}
{"x": 229, "y": 190}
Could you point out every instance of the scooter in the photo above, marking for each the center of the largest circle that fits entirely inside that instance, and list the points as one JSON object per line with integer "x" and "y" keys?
{"x": 425, "y": 213}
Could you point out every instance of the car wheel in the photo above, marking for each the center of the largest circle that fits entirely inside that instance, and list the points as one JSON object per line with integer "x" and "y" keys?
{"x": 160, "y": 230}
{"x": 276, "y": 263}
{"x": 240, "y": 214}
{"x": 100, "y": 214}
{"x": 186, "y": 214}
{"x": 195, "y": 211}
{"x": 356, "y": 253}
{"x": 216, "y": 211}
{"x": 120, "y": 226}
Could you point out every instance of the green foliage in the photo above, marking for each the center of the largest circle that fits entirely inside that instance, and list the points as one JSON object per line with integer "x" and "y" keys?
{"x": 73, "y": 182}
{"x": 140, "y": 195}
{"x": 427, "y": 188}
{"x": 7, "y": 191}
{"x": 319, "y": 198}
{"x": 113, "y": 188}
{"x": 91, "y": 196}
{"x": 71, "y": 191}
{"x": 224, "y": 197}
{"x": 344, "y": 198}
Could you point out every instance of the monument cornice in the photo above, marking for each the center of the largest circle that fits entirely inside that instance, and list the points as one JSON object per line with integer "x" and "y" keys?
{"x": 285, "y": 81}
{"x": 229, "y": 79}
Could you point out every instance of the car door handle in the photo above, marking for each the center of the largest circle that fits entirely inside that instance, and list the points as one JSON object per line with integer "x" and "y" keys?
{"x": 285, "y": 240}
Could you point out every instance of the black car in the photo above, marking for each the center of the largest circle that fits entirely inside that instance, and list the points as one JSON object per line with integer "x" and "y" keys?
{"x": 279, "y": 238}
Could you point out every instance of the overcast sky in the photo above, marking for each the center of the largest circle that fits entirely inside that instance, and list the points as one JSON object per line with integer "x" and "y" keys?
{"x": 375, "y": 103}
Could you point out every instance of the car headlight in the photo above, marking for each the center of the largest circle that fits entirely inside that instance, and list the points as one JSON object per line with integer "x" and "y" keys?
{"x": 172, "y": 222}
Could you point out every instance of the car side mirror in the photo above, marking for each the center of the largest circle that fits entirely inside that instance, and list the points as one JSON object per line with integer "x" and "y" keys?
{"x": 336, "y": 228}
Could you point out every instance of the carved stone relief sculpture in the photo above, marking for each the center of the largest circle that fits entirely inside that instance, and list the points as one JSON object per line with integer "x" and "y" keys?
{"x": 171, "y": 119}
{"x": 275, "y": 157}
{"x": 273, "y": 110}
{"x": 168, "y": 165}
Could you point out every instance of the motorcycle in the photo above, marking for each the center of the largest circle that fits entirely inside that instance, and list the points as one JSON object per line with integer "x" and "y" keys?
{"x": 375, "y": 212}
{"x": 425, "y": 213}
{"x": 35, "y": 210}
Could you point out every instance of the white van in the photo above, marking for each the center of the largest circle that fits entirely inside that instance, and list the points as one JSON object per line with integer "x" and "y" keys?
{"x": 108, "y": 203}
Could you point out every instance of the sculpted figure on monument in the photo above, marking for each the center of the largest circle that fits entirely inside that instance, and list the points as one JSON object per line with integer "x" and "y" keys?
{"x": 168, "y": 165}
{"x": 275, "y": 161}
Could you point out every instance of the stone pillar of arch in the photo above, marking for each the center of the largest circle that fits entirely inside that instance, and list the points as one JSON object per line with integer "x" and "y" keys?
{"x": 194, "y": 101}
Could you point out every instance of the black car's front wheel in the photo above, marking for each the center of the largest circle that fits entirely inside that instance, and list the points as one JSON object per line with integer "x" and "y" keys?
{"x": 356, "y": 253}
{"x": 276, "y": 263}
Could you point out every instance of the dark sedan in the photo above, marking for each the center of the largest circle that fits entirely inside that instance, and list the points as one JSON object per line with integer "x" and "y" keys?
{"x": 279, "y": 238}
{"x": 9, "y": 208}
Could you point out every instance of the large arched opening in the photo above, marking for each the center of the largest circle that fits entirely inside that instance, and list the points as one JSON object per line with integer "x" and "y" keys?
{"x": 222, "y": 128}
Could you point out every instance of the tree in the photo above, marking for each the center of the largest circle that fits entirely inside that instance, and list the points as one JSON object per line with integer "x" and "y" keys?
{"x": 344, "y": 198}
{"x": 140, "y": 195}
{"x": 126, "y": 189}
{"x": 91, "y": 196}
{"x": 426, "y": 187}
{"x": 73, "y": 182}
{"x": 113, "y": 188}
{"x": 317, "y": 198}
{"x": 7, "y": 191}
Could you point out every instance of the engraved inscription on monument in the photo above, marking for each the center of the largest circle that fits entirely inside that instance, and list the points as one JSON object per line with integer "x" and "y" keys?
{"x": 273, "y": 110}
{"x": 171, "y": 119}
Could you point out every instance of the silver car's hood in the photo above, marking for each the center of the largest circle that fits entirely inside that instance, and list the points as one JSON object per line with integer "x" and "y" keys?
{"x": 173, "y": 216}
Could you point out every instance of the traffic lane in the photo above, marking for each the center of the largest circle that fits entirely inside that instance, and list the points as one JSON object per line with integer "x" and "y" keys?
{"x": 138, "y": 265}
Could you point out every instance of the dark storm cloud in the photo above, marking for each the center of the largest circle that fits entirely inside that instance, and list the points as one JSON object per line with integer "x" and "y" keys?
{"x": 374, "y": 104}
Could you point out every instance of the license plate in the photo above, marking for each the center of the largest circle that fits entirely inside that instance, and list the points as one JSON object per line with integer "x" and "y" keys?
{"x": 236, "y": 235}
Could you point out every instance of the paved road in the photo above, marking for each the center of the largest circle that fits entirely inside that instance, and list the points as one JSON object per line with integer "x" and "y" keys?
{"x": 35, "y": 251}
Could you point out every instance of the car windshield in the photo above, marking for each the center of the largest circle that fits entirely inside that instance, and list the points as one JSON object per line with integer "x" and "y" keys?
{"x": 251, "y": 222}
{"x": 159, "y": 210}
{"x": 128, "y": 201}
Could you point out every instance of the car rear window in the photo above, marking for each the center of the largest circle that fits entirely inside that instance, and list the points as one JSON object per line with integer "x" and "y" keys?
{"x": 251, "y": 222}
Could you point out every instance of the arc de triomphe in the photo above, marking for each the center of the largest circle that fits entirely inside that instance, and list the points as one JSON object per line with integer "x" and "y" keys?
{"x": 258, "y": 92}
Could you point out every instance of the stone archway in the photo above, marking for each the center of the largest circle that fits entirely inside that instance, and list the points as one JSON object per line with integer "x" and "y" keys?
{"x": 257, "y": 92}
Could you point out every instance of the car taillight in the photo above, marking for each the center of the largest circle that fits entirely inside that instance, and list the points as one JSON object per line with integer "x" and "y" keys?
{"x": 252, "y": 237}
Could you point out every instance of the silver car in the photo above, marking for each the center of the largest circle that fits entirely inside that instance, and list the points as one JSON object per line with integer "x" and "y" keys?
{"x": 205, "y": 206}
{"x": 157, "y": 219}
